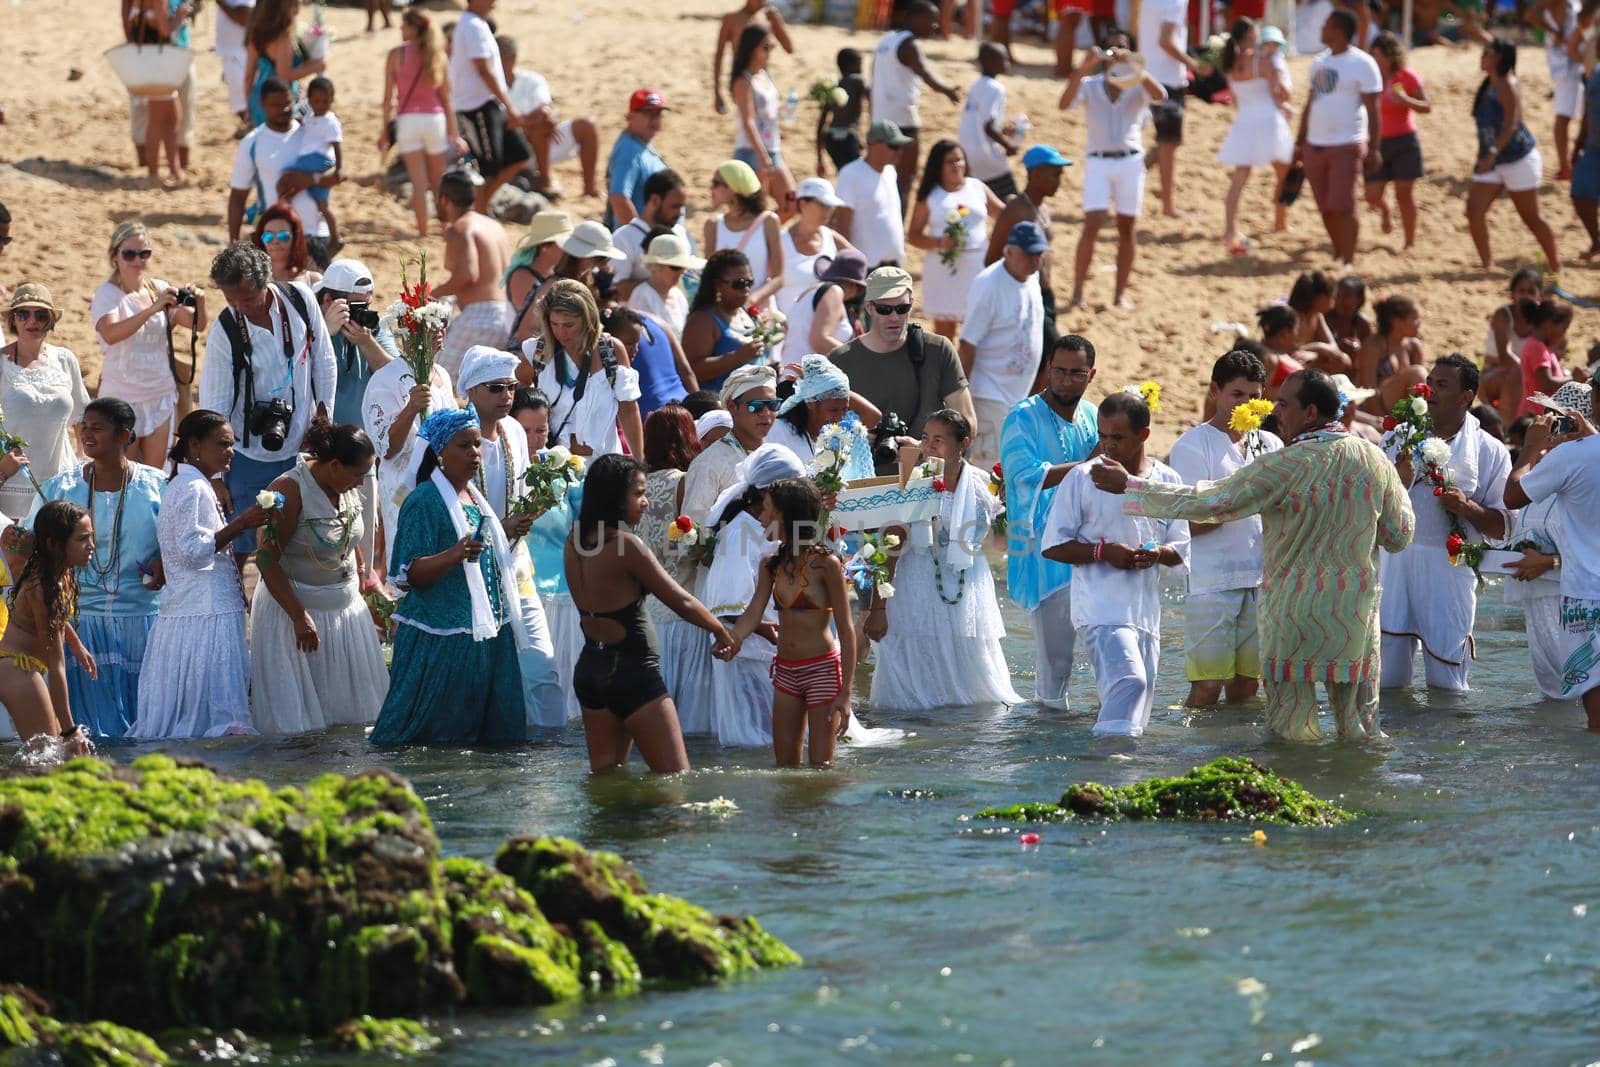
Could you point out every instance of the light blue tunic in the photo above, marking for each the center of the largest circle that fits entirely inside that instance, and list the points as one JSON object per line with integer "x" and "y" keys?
{"x": 1033, "y": 439}
{"x": 547, "y": 541}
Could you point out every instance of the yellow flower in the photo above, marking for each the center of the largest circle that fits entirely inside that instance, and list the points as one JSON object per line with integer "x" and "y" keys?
{"x": 1151, "y": 391}
{"x": 575, "y": 463}
{"x": 1259, "y": 837}
{"x": 1249, "y": 415}
{"x": 673, "y": 533}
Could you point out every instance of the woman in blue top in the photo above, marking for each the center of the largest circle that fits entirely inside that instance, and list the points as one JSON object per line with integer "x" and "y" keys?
{"x": 664, "y": 374}
{"x": 1507, "y": 156}
{"x": 546, "y": 538}
{"x": 455, "y": 677}
{"x": 270, "y": 48}
{"x": 714, "y": 337}
{"x": 118, "y": 594}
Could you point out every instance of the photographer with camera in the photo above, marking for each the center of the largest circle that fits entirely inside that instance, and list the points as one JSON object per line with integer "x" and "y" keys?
{"x": 898, "y": 367}
{"x": 133, "y": 317}
{"x": 271, "y": 367}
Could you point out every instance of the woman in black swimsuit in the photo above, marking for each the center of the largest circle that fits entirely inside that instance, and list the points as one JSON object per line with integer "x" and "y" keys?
{"x": 618, "y": 676}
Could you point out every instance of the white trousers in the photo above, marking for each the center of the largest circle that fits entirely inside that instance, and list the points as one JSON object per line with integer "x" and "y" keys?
{"x": 1125, "y": 662}
{"x": 1054, "y": 641}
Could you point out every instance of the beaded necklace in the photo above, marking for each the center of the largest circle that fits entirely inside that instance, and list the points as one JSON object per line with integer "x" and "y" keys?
{"x": 347, "y": 525}
{"x": 113, "y": 564}
{"x": 505, "y": 467}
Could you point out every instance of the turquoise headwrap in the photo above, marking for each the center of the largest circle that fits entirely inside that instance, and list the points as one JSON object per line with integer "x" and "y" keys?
{"x": 440, "y": 428}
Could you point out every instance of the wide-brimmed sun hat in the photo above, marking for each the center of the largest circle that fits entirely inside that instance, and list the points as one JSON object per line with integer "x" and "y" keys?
{"x": 545, "y": 227}
{"x": 589, "y": 239}
{"x": 670, "y": 250}
{"x": 34, "y": 295}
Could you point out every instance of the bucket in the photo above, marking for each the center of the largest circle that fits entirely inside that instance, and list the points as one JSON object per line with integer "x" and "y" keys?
{"x": 155, "y": 70}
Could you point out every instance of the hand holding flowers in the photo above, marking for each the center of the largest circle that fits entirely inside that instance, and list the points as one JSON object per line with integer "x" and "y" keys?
{"x": 417, "y": 322}
{"x": 955, "y": 234}
{"x": 552, "y": 472}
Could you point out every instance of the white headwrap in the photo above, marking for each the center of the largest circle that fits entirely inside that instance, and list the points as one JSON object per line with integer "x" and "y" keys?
{"x": 484, "y": 364}
{"x": 767, "y": 464}
{"x": 715, "y": 419}
{"x": 748, "y": 377}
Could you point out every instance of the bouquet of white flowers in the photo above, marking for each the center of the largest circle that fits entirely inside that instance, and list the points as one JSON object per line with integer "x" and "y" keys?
{"x": 417, "y": 321}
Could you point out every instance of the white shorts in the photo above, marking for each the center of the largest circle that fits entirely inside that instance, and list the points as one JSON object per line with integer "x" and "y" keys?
{"x": 563, "y": 145}
{"x": 1569, "y": 97}
{"x": 1114, "y": 181}
{"x": 420, "y": 132}
{"x": 1517, "y": 177}
{"x": 233, "y": 78}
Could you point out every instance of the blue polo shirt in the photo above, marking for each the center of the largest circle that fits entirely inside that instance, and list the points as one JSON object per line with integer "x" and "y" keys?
{"x": 630, "y": 166}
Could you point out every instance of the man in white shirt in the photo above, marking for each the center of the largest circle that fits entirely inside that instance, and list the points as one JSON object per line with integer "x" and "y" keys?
{"x": 899, "y": 68}
{"x": 664, "y": 200}
{"x": 985, "y": 136}
{"x": 261, "y": 168}
{"x": 269, "y": 366}
{"x": 1116, "y": 106}
{"x": 1335, "y": 131}
{"x": 553, "y": 140}
{"x": 1116, "y": 596}
{"x": 1221, "y": 638}
{"x": 1164, "y": 37}
{"x": 1566, "y": 467}
{"x": 484, "y": 113}
{"x": 1002, "y": 336}
{"x": 233, "y": 17}
{"x": 871, "y": 218}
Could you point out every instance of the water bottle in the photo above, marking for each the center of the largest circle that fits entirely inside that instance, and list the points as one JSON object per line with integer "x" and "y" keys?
{"x": 791, "y": 107}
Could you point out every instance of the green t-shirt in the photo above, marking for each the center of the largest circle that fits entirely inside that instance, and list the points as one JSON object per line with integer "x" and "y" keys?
{"x": 890, "y": 381}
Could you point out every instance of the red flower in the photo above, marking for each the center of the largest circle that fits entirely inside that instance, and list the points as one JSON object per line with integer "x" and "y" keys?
{"x": 834, "y": 533}
{"x": 938, "y": 485}
{"x": 1029, "y": 839}
{"x": 684, "y": 523}
{"x": 1439, "y": 491}
{"x": 1421, "y": 389}
{"x": 997, "y": 472}
{"x": 1389, "y": 423}
{"x": 1454, "y": 544}
{"x": 753, "y": 311}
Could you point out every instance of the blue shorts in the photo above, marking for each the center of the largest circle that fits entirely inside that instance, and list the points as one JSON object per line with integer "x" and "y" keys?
{"x": 246, "y": 478}
{"x": 748, "y": 155}
{"x": 1586, "y": 176}
{"x": 314, "y": 163}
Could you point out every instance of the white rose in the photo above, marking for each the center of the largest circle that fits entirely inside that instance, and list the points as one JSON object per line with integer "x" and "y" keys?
{"x": 267, "y": 499}
{"x": 891, "y": 541}
{"x": 885, "y": 590}
{"x": 1419, "y": 407}
{"x": 557, "y": 456}
{"x": 952, "y": 217}
{"x": 827, "y": 458}
{"x": 839, "y": 97}
{"x": 689, "y": 539}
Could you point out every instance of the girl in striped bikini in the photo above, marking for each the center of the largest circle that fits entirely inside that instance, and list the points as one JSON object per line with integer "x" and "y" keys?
{"x": 812, "y": 673}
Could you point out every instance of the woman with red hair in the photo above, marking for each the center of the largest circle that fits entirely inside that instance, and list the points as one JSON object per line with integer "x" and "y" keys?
{"x": 280, "y": 234}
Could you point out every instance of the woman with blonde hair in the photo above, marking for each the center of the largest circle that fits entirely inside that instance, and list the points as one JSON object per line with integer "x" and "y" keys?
{"x": 133, "y": 316}
{"x": 417, "y": 108}
{"x": 586, "y": 373}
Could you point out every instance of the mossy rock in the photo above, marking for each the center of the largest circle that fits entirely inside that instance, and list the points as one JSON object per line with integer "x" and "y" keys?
{"x": 29, "y": 1035}
{"x": 1231, "y": 789}
{"x": 392, "y": 1038}
{"x": 513, "y": 956}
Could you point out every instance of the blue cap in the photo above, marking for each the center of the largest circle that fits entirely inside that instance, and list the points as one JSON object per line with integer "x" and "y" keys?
{"x": 1043, "y": 155}
{"x": 1029, "y": 237}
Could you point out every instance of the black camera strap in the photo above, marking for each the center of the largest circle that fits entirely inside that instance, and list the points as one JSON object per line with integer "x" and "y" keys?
{"x": 239, "y": 342}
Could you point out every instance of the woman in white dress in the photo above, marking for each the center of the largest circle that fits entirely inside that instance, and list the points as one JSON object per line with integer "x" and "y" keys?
{"x": 585, "y": 373}
{"x": 194, "y": 681}
{"x": 42, "y": 398}
{"x": 946, "y": 191}
{"x": 315, "y": 660}
{"x": 1259, "y": 136}
{"x": 746, "y": 225}
{"x": 808, "y": 240}
{"x": 133, "y": 316}
{"x": 939, "y": 634}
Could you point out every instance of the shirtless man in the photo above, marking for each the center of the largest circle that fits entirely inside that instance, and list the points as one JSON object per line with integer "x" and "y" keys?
{"x": 476, "y": 251}
{"x": 1043, "y": 165}
{"x": 733, "y": 24}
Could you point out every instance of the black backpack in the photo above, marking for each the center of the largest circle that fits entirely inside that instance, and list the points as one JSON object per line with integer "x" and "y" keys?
{"x": 239, "y": 345}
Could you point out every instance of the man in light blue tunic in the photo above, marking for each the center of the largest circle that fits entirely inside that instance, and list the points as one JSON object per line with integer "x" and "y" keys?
{"x": 1044, "y": 437}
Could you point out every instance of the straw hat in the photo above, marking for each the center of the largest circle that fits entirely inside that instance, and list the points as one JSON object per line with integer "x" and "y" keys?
{"x": 1343, "y": 383}
{"x": 1126, "y": 71}
{"x": 590, "y": 239}
{"x": 670, "y": 250}
{"x": 545, "y": 227}
{"x": 33, "y": 295}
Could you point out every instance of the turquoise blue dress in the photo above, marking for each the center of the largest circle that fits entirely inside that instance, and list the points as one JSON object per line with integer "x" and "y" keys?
{"x": 547, "y": 540}
{"x": 115, "y": 609}
{"x": 727, "y": 341}
{"x": 444, "y": 687}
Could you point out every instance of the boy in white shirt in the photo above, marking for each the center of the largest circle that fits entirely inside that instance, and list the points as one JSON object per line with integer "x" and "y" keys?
{"x": 985, "y": 136}
{"x": 321, "y": 136}
{"x": 1221, "y": 640}
{"x": 1116, "y": 595}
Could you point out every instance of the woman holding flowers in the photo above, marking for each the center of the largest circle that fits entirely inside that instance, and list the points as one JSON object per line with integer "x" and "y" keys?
{"x": 586, "y": 374}
{"x": 119, "y": 587}
{"x": 951, "y": 218}
{"x": 815, "y": 423}
{"x": 315, "y": 661}
{"x": 194, "y": 681}
{"x": 717, "y": 336}
{"x": 939, "y": 633}
{"x": 455, "y": 678}
{"x": 41, "y": 397}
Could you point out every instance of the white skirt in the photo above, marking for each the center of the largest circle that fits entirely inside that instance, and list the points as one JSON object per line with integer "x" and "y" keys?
{"x": 566, "y": 634}
{"x": 686, "y": 668}
{"x": 941, "y": 655}
{"x": 944, "y": 291}
{"x": 194, "y": 681}
{"x": 1258, "y": 137}
{"x": 343, "y": 682}
{"x": 742, "y": 695}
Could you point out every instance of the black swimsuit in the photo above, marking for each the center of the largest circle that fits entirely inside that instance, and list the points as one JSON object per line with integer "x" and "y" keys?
{"x": 625, "y": 675}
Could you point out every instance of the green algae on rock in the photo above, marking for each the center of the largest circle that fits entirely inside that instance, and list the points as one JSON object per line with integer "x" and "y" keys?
{"x": 388, "y": 1037}
{"x": 161, "y": 895}
{"x": 1231, "y": 789}
{"x": 25, "y": 1024}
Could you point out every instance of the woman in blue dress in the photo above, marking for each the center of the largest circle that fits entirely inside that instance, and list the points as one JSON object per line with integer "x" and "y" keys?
{"x": 455, "y": 678}
{"x": 118, "y": 592}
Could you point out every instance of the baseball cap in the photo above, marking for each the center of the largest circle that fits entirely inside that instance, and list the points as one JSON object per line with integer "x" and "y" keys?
{"x": 1272, "y": 35}
{"x": 820, "y": 190}
{"x": 886, "y": 282}
{"x": 888, "y": 133}
{"x": 1027, "y": 236}
{"x": 646, "y": 100}
{"x": 1043, "y": 155}
{"x": 347, "y": 276}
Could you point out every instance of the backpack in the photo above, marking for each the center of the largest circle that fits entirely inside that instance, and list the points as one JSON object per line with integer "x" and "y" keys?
{"x": 608, "y": 363}
{"x": 239, "y": 345}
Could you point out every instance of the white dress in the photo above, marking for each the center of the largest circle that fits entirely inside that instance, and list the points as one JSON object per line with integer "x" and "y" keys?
{"x": 741, "y": 688}
{"x": 937, "y": 653}
{"x": 685, "y": 649}
{"x": 944, "y": 288}
{"x": 195, "y": 676}
{"x": 1260, "y": 134}
{"x": 136, "y": 369}
{"x": 799, "y": 283}
{"x": 345, "y": 680}
{"x": 41, "y": 402}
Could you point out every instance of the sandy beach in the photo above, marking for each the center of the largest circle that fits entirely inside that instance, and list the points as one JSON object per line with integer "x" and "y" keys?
{"x": 69, "y": 176}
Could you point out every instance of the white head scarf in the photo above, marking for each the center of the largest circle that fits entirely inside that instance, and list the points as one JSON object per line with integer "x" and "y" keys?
{"x": 767, "y": 464}
{"x": 484, "y": 364}
{"x": 746, "y": 378}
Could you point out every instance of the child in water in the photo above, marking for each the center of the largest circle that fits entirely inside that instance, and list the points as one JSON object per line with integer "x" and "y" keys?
{"x": 812, "y": 673}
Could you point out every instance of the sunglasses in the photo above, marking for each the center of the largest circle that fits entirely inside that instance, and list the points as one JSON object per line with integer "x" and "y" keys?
{"x": 277, "y": 235}
{"x": 892, "y": 309}
{"x": 130, "y": 254}
{"x": 500, "y": 387}
{"x": 36, "y": 314}
{"x": 739, "y": 283}
{"x": 755, "y": 406}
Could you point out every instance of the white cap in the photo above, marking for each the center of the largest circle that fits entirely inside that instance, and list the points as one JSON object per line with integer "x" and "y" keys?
{"x": 347, "y": 276}
{"x": 820, "y": 190}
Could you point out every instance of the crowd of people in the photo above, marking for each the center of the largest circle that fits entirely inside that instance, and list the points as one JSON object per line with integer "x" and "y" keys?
{"x": 597, "y": 486}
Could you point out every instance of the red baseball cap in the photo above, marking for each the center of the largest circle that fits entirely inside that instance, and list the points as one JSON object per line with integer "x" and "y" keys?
{"x": 646, "y": 100}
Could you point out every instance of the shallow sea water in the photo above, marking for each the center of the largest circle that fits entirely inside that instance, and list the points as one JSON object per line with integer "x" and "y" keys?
{"x": 1457, "y": 921}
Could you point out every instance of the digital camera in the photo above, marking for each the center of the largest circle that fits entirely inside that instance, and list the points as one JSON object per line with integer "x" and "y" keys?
{"x": 269, "y": 420}
{"x": 362, "y": 315}
{"x": 186, "y": 297}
